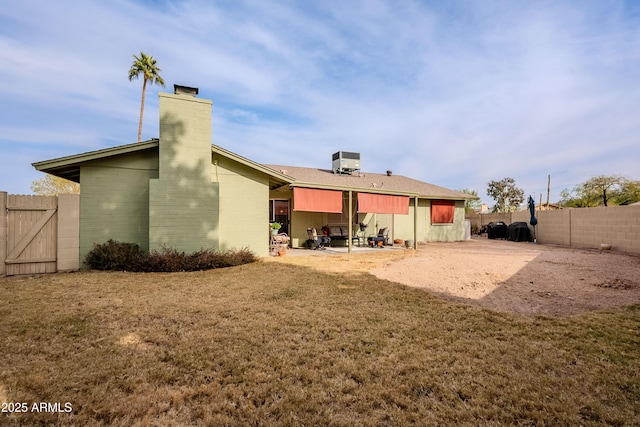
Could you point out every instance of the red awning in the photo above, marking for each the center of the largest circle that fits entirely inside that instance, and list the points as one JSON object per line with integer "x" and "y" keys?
{"x": 442, "y": 211}
{"x": 383, "y": 204}
{"x": 312, "y": 200}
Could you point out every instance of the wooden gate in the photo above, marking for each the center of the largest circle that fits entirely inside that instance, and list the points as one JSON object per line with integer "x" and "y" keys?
{"x": 31, "y": 234}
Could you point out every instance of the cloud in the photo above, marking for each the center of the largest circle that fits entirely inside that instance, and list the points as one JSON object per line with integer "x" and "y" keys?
{"x": 453, "y": 93}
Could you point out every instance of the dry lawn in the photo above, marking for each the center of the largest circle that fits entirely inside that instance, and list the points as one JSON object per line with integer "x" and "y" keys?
{"x": 273, "y": 343}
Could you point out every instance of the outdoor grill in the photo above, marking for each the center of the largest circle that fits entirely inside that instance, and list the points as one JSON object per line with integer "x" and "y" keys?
{"x": 518, "y": 232}
{"x": 497, "y": 230}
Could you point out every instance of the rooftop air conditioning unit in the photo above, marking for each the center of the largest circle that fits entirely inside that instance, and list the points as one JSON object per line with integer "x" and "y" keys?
{"x": 345, "y": 162}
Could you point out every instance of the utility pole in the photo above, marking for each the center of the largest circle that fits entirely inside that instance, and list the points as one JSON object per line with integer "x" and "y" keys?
{"x": 548, "y": 189}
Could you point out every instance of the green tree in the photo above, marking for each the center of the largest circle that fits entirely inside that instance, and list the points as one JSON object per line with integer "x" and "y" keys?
{"x": 508, "y": 197}
{"x": 629, "y": 193}
{"x": 146, "y": 66}
{"x": 577, "y": 198}
{"x": 602, "y": 190}
{"x": 52, "y": 185}
{"x": 605, "y": 187}
{"x": 472, "y": 205}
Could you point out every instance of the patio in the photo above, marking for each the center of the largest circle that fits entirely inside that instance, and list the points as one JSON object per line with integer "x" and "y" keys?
{"x": 341, "y": 250}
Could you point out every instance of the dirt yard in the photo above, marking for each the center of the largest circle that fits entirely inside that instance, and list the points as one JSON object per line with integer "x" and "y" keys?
{"x": 525, "y": 278}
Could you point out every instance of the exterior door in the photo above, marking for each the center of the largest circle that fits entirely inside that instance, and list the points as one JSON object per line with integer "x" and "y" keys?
{"x": 279, "y": 212}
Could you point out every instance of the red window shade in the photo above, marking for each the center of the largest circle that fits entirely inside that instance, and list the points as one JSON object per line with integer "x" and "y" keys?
{"x": 383, "y": 204}
{"x": 312, "y": 200}
{"x": 442, "y": 211}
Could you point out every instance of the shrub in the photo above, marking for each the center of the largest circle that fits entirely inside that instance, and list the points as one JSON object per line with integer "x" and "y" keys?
{"x": 114, "y": 255}
{"x": 206, "y": 259}
{"x": 236, "y": 257}
{"x": 167, "y": 260}
{"x": 128, "y": 256}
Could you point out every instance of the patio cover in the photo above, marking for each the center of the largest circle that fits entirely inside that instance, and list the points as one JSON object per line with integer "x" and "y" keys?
{"x": 383, "y": 204}
{"x": 312, "y": 200}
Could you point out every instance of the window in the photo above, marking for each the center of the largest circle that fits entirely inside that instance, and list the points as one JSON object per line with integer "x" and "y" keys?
{"x": 442, "y": 211}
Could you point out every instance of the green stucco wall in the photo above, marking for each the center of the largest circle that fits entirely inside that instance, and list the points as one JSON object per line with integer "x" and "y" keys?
{"x": 403, "y": 225}
{"x": 183, "y": 202}
{"x": 114, "y": 202}
{"x": 244, "y": 206}
{"x": 300, "y": 221}
{"x": 445, "y": 232}
{"x": 427, "y": 232}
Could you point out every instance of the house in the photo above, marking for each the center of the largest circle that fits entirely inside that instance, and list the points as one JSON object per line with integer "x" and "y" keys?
{"x": 411, "y": 209}
{"x": 183, "y": 192}
{"x": 548, "y": 207}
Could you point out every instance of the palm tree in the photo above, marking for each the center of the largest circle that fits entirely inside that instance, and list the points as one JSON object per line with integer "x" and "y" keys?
{"x": 145, "y": 65}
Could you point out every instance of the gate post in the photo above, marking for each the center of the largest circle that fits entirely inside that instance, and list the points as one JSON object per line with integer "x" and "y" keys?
{"x": 68, "y": 253}
{"x": 3, "y": 232}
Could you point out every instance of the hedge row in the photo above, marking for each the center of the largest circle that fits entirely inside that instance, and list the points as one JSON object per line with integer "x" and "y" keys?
{"x": 121, "y": 256}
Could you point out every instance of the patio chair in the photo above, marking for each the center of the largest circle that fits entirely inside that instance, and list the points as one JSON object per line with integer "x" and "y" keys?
{"x": 281, "y": 239}
{"x": 384, "y": 234}
{"x": 381, "y": 239}
{"x": 316, "y": 242}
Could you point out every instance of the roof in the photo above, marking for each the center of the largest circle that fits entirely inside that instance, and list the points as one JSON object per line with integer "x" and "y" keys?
{"x": 276, "y": 178}
{"x": 368, "y": 182}
{"x": 69, "y": 167}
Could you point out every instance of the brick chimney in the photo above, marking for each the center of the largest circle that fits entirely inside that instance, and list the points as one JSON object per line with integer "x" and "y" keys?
{"x": 183, "y": 202}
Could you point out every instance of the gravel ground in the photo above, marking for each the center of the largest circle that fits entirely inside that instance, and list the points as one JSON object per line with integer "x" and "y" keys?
{"x": 525, "y": 278}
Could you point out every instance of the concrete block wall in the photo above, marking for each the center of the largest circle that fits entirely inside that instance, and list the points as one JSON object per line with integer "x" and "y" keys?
{"x": 68, "y": 232}
{"x": 583, "y": 228}
{"x": 480, "y": 220}
{"x": 554, "y": 227}
{"x": 615, "y": 225}
{"x": 520, "y": 216}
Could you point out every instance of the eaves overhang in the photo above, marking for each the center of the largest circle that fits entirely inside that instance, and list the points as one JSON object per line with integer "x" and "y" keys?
{"x": 276, "y": 178}
{"x": 68, "y": 167}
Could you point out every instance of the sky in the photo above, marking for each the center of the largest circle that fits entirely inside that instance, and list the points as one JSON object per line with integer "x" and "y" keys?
{"x": 454, "y": 93}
